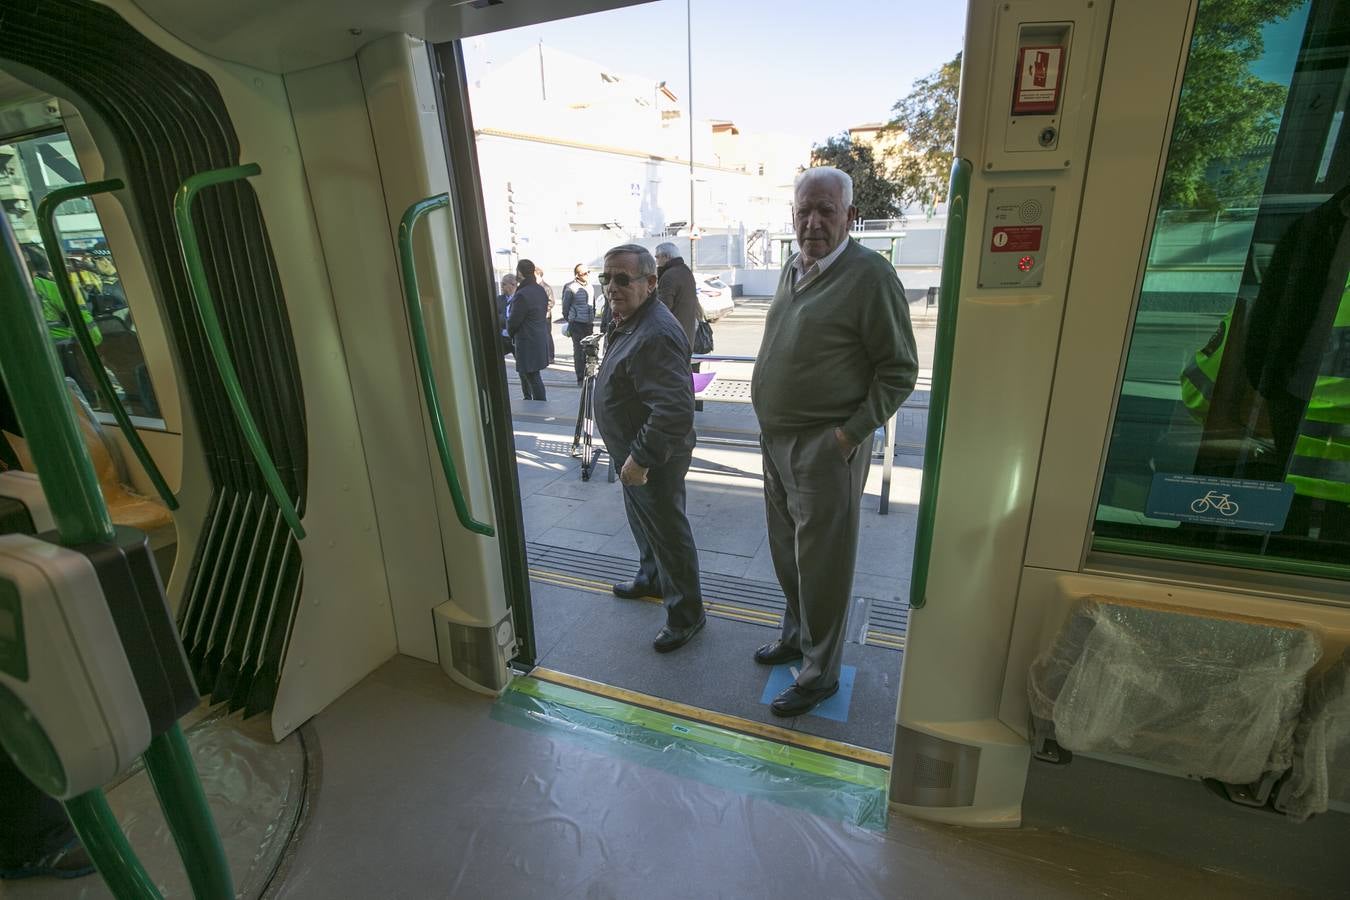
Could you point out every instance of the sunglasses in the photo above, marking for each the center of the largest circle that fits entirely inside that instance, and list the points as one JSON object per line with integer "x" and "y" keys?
{"x": 619, "y": 279}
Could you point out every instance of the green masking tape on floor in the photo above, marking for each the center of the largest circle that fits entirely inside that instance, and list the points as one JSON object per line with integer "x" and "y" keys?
{"x": 816, "y": 782}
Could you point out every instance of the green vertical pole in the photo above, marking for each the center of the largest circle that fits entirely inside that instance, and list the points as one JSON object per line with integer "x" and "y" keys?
{"x": 46, "y": 214}
{"x": 33, "y": 377}
{"x": 953, "y": 258}
{"x": 173, "y": 774}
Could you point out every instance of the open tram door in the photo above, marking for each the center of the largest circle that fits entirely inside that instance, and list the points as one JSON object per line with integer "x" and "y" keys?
{"x": 1146, "y": 572}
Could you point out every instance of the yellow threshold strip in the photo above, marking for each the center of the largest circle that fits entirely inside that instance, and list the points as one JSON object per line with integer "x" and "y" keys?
{"x": 708, "y": 717}
{"x": 718, "y": 608}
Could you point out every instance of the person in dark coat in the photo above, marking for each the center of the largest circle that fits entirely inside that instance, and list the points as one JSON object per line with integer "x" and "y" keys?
{"x": 527, "y": 325}
{"x": 503, "y": 305}
{"x": 644, "y": 408}
{"x": 677, "y": 288}
{"x": 579, "y": 303}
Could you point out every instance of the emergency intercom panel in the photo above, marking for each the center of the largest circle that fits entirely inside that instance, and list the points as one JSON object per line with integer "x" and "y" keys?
{"x": 1016, "y": 232}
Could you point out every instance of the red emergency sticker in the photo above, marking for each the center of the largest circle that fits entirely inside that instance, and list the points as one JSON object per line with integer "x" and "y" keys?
{"x": 1015, "y": 239}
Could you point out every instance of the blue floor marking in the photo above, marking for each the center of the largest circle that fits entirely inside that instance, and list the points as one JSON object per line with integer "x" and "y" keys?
{"x": 835, "y": 708}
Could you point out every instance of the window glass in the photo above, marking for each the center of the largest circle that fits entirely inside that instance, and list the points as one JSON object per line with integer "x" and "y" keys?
{"x": 29, "y": 170}
{"x": 1232, "y": 432}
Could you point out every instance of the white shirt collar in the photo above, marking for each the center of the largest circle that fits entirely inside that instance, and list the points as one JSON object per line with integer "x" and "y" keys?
{"x": 799, "y": 267}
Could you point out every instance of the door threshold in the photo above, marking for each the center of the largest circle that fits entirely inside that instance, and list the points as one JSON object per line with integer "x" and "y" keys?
{"x": 777, "y": 734}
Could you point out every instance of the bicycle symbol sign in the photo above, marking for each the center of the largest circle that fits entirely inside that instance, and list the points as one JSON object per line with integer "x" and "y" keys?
{"x": 1220, "y": 503}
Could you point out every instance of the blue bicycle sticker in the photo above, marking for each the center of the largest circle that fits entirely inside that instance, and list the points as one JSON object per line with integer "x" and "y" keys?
{"x": 1226, "y": 502}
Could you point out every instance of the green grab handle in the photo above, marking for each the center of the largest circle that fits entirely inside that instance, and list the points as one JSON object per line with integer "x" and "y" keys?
{"x": 46, "y": 213}
{"x": 949, "y": 296}
{"x": 168, "y": 762}
{"x": 107, "y": 846}
{"x": 206, "y": 308}
{"x": 424, "y": 370}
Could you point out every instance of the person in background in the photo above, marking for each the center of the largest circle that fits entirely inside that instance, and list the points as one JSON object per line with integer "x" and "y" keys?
{"x": 503, "y": 307}
{"x": 548, "y": 290}
{"x": 527, "y": 325}
{"x": 837, "y": 360}
{"x": 677, "y": 288}
{"x": 49, "y": 295}
{"x": 644, "y": 408}
{"x": 110, "y": 296}
{"x": 578, "y": 309}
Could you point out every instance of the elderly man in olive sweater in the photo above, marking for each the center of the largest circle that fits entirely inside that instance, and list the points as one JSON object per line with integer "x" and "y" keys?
{"x": 838, "y": 359}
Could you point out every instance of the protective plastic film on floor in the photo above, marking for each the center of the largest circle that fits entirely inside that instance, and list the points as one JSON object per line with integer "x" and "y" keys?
{"x": 819, "y": 783}
{"x": 257, "y": 792}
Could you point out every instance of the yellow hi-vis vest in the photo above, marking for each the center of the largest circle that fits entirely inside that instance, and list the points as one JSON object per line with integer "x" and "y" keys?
{"x": 1320, "y": 465}
{"x": 54, "y": 312}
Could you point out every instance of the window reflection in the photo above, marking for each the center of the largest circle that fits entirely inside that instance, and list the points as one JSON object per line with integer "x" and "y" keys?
{"x": 30, "y": 169}
{"x": 1237, "y": 385}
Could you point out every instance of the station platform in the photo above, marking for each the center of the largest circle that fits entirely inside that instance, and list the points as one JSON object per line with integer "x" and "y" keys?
{"x": 579, "y": 544}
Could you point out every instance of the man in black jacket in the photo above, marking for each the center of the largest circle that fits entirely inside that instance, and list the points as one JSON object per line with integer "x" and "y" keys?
{"x": 677, "y": 288}
{"x": 645, "y": 411}
{"x": 528, "y": 327}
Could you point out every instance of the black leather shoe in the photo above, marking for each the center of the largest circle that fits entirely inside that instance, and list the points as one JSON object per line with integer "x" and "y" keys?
{"x": 798, "y": 701}
{"x": 668, "y": 639}
{"x": 632, "y": 590}
{"x": 776, "y": 653}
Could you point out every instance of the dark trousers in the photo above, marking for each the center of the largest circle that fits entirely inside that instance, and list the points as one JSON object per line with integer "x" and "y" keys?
{"x": 669, "y": 560}
{"x": 532, "y": 383}
{"x": 32, "y": 825}
{"x": 813, "y": 498}
{"x": 578, "y": 353}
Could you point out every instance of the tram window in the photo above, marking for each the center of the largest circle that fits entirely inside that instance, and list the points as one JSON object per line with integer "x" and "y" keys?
{"x": 1232, "y": 431}
{"x": 29, "y": 170}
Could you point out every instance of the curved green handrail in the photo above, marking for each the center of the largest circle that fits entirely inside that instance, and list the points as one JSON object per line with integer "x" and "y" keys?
{"x": 28, "y": 365}
{"x": 424, "y": 370}
{"x": 215, "y": 338}
{"x": 46, "y": 213}
{"x": 953, "y": 255}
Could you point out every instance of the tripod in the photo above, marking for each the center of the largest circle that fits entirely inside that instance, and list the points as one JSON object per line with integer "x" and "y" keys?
{"x": 583, "y": 440}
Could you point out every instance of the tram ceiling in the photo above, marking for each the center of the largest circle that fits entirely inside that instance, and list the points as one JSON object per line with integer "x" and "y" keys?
{"x": 284, "y": 36}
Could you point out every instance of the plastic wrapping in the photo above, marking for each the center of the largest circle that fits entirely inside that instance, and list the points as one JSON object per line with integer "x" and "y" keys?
{"x": 1205, "y": 695}
{"x": 256, "y": 789}
{"x": 804, "y": 779}
{"x": 1321, "y": 770}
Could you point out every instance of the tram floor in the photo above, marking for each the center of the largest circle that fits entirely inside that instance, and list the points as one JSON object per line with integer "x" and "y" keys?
{"x": 426, "y": 793}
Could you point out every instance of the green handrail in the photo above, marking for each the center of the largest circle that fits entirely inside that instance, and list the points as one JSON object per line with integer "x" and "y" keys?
{"x": 206, "y": 308}
{"x": 424, "y": 369}
{"x": 30, "y": 370}
{"x": 46, "y": 213}
{"x": 953, "y": 256}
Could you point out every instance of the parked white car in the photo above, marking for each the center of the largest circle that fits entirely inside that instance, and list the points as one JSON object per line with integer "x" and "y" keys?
{"x": 714, "y": 295}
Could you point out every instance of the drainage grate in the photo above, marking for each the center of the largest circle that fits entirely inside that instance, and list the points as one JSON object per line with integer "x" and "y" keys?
{"x": 883, "y": 621}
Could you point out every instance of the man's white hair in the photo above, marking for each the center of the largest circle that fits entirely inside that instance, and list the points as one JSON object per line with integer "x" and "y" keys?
{"x": 667, "y": 249}
{"x": 829, "y": 173}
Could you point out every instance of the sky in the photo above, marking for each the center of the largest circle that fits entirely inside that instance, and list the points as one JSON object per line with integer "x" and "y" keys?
{"x": 782, "y": 66}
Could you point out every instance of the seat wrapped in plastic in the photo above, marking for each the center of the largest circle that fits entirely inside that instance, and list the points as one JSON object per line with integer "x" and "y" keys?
{"x": 1321, "y": 770}
{"x": 1200, "y": 693}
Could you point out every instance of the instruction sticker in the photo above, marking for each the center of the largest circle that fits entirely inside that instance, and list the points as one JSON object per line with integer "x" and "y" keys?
{"x": 1226, "y": 502}
{"x": 1015, "y": 239}
{"x": 1039, "y": 72}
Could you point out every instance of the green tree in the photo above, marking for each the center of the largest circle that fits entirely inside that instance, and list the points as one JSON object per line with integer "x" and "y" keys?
{"x": 1225, "y": 111}
{"x": 873, "y": 193}
{"x": 922, "y": 135}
